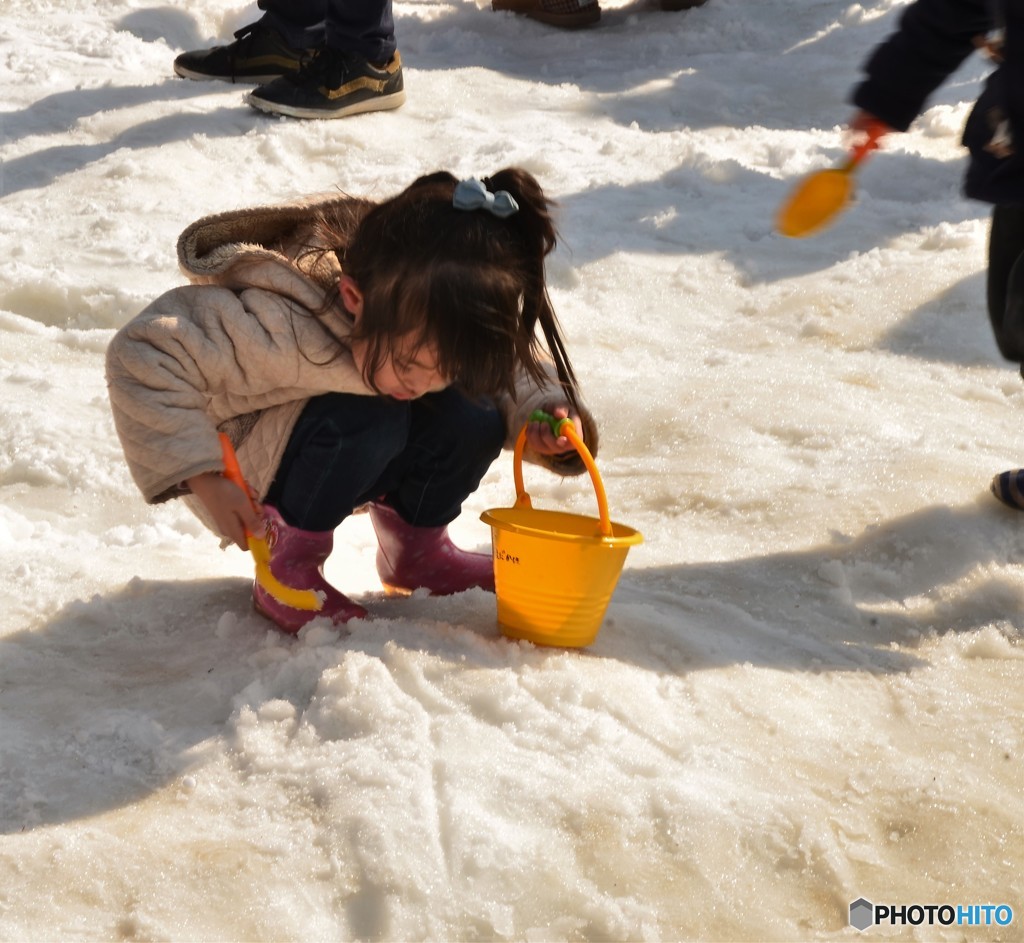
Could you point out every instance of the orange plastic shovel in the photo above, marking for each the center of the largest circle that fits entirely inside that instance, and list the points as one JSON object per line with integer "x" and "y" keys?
{"x": 305, "y": 599}
{"x": 822, "y": 196}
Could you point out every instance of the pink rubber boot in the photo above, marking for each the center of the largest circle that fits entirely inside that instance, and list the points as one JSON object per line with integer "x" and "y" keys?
{"x": 425, "y": 558}
{"x": 297, "y": 560}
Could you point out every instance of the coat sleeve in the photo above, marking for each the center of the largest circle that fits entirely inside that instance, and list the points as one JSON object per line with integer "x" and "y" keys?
{"x": 934, "y": 37}
{"x": 531, "y": 396}
{"x": 194, "y": 358}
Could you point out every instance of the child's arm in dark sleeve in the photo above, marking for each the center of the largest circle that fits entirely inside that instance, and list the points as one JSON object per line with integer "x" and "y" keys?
{"x": 934, "y": 37}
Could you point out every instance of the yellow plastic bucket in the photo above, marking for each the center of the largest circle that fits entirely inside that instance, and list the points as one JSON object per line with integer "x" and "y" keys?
{"x": 554, "y": 573}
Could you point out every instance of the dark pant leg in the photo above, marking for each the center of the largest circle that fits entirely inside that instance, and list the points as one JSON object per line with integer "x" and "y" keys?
{"x": 453, "y": 441}
{"x": 363, "y": 27}
{"x": 302, "y": 23}
{"x": 337, "y": 451}
{"x": 426, "y": 456}
{"x": 1005, "y": 287}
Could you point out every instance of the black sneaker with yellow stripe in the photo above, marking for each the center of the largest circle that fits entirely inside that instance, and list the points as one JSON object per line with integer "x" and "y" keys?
{"x": 258, "y": 55}
{"x": 333, "y": 84}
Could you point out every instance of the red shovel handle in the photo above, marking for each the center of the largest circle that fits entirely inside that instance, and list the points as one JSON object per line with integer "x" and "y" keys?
{"x": 873, "y": 130}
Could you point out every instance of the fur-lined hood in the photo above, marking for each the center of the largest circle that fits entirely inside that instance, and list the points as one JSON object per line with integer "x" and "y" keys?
{"x": 225, "y": 248}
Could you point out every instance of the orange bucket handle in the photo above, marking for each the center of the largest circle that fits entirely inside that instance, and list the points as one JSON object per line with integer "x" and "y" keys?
{"x": 560, "y": 427}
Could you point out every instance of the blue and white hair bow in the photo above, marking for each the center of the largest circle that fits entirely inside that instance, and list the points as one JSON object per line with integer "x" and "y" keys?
{"x": 471, "y": 194}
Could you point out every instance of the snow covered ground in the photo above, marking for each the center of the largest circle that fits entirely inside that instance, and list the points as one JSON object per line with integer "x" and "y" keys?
{"x": 808, "y": 685}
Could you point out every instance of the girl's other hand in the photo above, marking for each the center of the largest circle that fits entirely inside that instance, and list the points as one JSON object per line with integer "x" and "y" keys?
{"x": 228, "y": 505}
{"x": 543, "y": 441}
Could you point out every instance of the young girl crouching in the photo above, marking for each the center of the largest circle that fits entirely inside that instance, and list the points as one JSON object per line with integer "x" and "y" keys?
{"x": 355, "y": 353}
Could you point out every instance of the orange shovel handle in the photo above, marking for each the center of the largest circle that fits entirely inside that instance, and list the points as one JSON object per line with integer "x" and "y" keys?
{"x": 232, "y": 470}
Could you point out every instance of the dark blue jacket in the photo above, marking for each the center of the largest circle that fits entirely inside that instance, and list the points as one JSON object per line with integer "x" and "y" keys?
{"x": 933, "y": 39}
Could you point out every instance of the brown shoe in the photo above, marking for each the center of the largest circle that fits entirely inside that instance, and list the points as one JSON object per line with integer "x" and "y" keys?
{"x": 568, "y": 14}
{"x": 672, "y": 6}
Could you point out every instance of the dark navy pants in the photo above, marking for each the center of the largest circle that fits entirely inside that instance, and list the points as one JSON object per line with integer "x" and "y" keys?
{"x": 1006, "y": 279}
{"x": 423, "y": 457}
{"x": 364, "y": 27}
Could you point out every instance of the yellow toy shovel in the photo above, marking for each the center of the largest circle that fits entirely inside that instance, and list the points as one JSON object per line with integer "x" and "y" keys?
{"x": 823, "y": 195}
{"x": 306, "y": 599}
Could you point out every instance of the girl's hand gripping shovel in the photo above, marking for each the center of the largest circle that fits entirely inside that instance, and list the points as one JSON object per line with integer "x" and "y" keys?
{"x": 305, "y": 599}
{"x": 822, "y": 196}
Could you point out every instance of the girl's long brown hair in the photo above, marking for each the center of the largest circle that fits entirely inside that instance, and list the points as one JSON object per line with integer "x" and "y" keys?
{"x": 468, "y": 282}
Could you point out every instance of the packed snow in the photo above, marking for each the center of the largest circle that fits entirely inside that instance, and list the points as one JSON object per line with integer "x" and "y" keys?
{"x": 807, "y": 687}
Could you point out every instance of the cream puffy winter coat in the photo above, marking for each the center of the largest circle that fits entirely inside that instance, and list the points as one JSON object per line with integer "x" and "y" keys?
{"x": 242, "y": 348}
